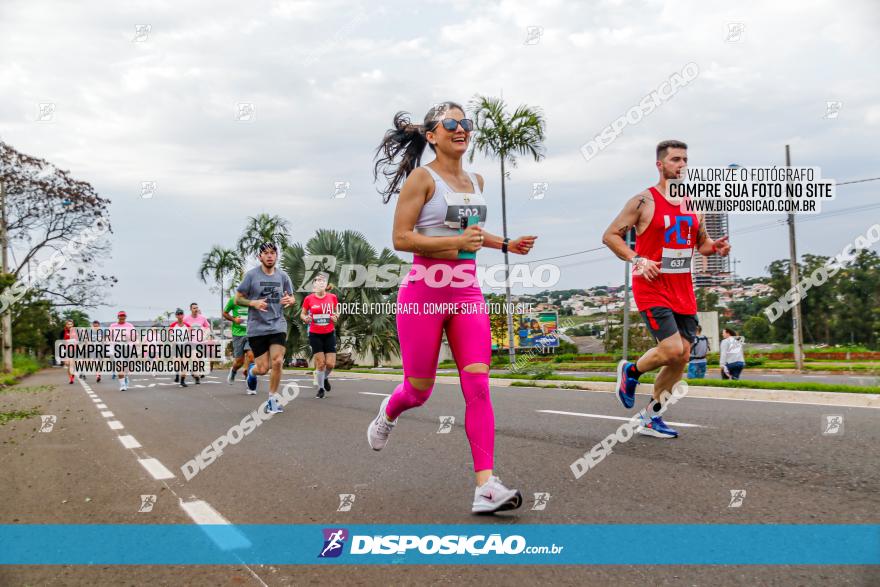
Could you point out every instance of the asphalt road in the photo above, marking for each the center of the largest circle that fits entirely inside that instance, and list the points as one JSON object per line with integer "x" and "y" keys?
{"x": 292, "y": 469}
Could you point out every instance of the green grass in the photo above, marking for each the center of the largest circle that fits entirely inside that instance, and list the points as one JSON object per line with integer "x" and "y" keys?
{"x": 17, "y": 415}
{"x": 741, "y": 384}
{"x": 26, "y": 388}
{"x": 22, "y": 365}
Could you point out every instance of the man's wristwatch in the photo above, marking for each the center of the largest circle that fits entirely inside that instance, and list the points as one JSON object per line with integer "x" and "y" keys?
{"x": 636, "y": 261}
{"x": 504, "y": 244}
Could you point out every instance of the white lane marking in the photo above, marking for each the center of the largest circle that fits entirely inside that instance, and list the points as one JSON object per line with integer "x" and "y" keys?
{"x": 201, "y": 512}
{"x": 107, "y": 414}
{"x": 525, "y": 388}
{"x": 231, "y": 538}
{"x": 772, "y": 375}
{"x": 604, "y": 417}
{"x": 101, "y": 406}
{"x": 97, "y": 400}
{"x": 115, "y": 425}
{"x": 372, "y": 393}
{"x": 777, "y": 401}
{"x": 220, "y": 530}
{"x": 129, "y": 441}
{"x": 156, "y": 469}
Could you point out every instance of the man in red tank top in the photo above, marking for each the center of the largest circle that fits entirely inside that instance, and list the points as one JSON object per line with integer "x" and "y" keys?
{"x": 662, "y": 284}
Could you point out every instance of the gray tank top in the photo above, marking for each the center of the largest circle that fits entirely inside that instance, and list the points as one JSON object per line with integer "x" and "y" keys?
{"x": 442, "y": 214}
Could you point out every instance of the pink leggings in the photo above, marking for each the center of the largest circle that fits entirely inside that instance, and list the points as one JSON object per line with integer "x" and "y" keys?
{"x": 425, "y": 309}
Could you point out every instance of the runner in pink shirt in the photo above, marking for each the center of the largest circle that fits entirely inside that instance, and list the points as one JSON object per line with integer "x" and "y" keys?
{"x": 197, "y": 320}
{"x": 128, "y": 326}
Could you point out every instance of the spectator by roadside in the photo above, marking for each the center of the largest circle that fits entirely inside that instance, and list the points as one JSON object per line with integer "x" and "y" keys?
{"x": 732, "y": 359}
{"x": 697, "y": 361}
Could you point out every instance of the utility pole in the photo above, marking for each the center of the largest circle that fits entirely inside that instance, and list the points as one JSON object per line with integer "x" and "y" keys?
{"x": 6, "y": 318}
{"x": 630, "y": 240}
{"x": 795, "y": 279}
{"x": 511, "y": 348}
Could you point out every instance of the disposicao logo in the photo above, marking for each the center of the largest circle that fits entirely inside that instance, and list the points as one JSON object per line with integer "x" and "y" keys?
{"x": 334, "y": 541}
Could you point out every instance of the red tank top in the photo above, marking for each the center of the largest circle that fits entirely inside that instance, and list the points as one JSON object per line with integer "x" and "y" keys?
{"x": 669, "y": 239}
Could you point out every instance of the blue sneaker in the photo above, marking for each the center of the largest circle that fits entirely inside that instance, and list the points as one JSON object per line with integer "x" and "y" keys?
{"x": 626, "y": 386}
{"x": 656, "y": 427}
{"x": 272, "y": 406}
{"x": 251, "y": 378}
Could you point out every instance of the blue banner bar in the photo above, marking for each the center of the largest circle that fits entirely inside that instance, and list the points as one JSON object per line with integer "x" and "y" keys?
{"x": 624, "y": 544}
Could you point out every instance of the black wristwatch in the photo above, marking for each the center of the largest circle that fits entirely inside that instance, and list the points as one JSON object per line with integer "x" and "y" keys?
{"x": 504, "y": 244}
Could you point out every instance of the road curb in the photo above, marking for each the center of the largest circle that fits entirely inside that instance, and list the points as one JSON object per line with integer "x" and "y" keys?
{"x": 840, "y": 399}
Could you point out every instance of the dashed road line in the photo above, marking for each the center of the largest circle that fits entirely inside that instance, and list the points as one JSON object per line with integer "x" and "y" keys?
{"x": 156, "y": 469}
{"x": 604, "y": 417}
{"x": 107, "y": 414}
{"x": 129, "y": 441}
{"x": 115, "y": 425}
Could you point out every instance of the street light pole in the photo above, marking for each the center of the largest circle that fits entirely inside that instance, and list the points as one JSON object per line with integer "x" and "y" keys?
{"x": 630, "y": 239}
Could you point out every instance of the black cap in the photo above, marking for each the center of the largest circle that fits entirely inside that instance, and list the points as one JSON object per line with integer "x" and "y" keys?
{"x": 178, "y": 312}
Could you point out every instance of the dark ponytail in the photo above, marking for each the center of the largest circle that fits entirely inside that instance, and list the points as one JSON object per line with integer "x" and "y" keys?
{"x": 409, "y": 139}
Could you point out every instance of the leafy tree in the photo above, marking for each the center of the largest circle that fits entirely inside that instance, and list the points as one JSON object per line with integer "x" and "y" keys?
{"x": 756, "y": 329}
{"x": 218, "y": 264}
{"x": 260, "y": 229}
{"x": 364, "y": 331}
{"x": 57, "y": 227}
{"x": 707, "y": 301}
{"x": 857, "y": 308}
{"x": 505, "y": 136}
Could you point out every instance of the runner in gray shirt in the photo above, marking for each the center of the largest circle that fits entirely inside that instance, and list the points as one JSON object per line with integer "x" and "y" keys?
{"x": 267, "y": 291}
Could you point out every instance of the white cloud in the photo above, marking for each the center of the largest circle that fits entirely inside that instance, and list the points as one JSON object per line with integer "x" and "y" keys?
{"x": 326, "y": 78}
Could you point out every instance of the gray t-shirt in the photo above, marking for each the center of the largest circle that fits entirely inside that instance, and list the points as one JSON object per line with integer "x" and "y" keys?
{"x": 257, "y": 285}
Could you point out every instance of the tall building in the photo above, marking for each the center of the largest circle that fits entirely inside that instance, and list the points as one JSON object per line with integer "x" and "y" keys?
{"x": 712, "y": 270}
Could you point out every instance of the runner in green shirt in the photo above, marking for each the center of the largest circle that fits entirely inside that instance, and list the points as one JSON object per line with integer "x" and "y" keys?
{"x": 241, "y": 349}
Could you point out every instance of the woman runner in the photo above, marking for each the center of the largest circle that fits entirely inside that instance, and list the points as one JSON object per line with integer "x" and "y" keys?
{"x": 319, "y": 311}
{"x": 439, "y": 217}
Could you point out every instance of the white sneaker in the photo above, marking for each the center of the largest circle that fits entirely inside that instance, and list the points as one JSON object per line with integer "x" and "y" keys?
{"x": 380, "y": 428}
{"x": 495, "y": 497}
{"x": 252, "y": 392}
{"x": 230, "y": 377}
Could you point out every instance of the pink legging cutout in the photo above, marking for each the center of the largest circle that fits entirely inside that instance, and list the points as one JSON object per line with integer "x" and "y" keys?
{"x": 469, "y": 336}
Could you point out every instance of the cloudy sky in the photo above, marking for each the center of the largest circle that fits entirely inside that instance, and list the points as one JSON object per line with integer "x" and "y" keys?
{"x": 158, "y": 103}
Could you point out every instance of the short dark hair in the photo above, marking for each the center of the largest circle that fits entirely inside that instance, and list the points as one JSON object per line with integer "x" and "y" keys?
{"x": 730, "y": 331}
{"x": 191, "y": 304}
{"x": 664, "y": 146}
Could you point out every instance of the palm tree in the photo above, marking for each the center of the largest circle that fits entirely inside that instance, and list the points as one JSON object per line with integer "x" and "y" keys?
{"x": 504, "y": 136}
{"x": 217, "y": 264}
{"x": 263, "y": 228}
{"x": 376, "y": 333}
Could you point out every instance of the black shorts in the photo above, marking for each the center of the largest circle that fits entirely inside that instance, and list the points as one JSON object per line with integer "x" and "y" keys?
{"x": 323, "y": 343}
{"x": 663, "y": 323}
{"x": 260, "y": 344}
